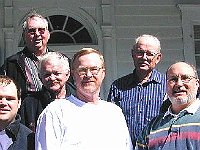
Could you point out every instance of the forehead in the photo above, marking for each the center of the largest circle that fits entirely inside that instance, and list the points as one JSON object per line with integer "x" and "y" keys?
{"x": 35, "y": 21}
{"x": 8, "y": 90}
{"x": 91, "y": 59}
{"x": 148, "y": 43}
{"x": 180, "y": 69}
{"x": 52, "y": 64}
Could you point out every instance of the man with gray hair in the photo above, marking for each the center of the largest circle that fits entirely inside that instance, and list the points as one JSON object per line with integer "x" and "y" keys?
{"x": 141, "y": 93}
{"x": 54, "y": 72}
{"x": 22, "y": 66}
{"x": 179, "y": 127}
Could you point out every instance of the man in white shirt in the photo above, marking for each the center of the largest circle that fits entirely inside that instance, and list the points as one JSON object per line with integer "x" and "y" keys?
{"x": 84, "y": 121}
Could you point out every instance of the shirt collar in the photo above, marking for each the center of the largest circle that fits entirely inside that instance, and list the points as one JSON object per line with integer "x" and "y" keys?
{"x": 155, "y": 76}
{"x": 31, "y": 55}
{"x": 191, "y": 109}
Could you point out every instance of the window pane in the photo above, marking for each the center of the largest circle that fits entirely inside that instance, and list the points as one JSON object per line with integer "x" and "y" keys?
{"x": 57, "y": 21}
{"x": 197, "y": 47}
{"x": 72, "y": 25}
{"x": 83, "y": 37}
{"x": 196, "y": 31}
{"x": 59, "y": 37}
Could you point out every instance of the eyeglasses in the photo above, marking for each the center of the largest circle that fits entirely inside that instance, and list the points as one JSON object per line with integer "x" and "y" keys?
{"x": 141, "y": 53}
{"x": 184, "y": 78}
{"x": 33, "y": 30}
{"x": 83, "y": 70}
{"x": 50, "y": 74}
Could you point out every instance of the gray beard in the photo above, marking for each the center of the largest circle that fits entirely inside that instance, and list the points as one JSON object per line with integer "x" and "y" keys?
{"x": 186, "y": 100}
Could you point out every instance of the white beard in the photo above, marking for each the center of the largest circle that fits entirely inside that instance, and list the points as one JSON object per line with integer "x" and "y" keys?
{"x": 178, "y": 101}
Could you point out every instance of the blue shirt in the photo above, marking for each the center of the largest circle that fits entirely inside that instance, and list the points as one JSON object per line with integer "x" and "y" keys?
{"x": 139, "y": 102}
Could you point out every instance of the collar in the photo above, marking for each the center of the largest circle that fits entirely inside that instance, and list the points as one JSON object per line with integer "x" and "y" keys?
{"x": 13, "y": 128}
{"x": 191, "y": 109}
{"x": 30, "y": 54}
{"x": 155, "y": 76}
{"x": 77, "y": 101}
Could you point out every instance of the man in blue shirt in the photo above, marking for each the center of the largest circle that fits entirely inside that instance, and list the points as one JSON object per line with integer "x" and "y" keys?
{"x": 141, "y": 93}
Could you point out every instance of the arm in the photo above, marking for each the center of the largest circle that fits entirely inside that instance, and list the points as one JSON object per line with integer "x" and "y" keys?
{"x": 113, "y": 95}
{"x": 48, "y": 131}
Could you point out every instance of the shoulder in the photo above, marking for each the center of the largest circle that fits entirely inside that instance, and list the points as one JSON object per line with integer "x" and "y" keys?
{"x": 24, "y": 129}
{"x": 14, "y": 57}
{"x": 110, "y": 106}
{"x": 158, "y": 74}
{"x": 57, "y": 106}
{"x": 124, "y": 79}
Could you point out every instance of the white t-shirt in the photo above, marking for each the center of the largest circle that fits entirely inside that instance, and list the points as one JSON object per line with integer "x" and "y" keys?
{"x": 75, "y": 125}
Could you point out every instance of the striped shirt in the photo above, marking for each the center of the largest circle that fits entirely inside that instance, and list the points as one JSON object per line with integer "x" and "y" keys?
{"x": 33, "y": 81}
{"x": 139, "y": 102}
{"x": 174, "y": 132}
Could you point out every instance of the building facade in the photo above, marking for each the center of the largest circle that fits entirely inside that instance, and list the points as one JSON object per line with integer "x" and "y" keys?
{"x": 110, "y": 26}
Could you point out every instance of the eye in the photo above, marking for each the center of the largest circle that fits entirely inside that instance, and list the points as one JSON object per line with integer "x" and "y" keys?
{"x": 57, "y": 73}
{"x": 173, "y": 79}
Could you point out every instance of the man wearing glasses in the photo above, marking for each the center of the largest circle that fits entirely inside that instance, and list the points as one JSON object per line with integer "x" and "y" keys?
{"x": 22, "y": 66}
{"x": 83, "y": 121}
{"x": 141, "y": 93}
{"x": 179, "y": 127}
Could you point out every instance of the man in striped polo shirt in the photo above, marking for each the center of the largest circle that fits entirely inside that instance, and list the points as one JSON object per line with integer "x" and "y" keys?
{"x": 179, "y": 127}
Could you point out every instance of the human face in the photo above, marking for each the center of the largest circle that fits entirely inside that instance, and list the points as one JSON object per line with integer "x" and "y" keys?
{"x": 53, "y": 76}
{"x": 9, "y": 104}
{"x": 36, "y": 35}
{"x": 89, "y": 83}
{"x": 146, "y": 55}
{"x": 182, "y": 84}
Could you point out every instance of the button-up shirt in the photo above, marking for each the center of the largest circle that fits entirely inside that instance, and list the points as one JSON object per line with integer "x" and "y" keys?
{"x": 139, "y": 102}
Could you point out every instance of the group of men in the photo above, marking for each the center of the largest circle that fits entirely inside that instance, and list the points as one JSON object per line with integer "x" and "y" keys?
{"x": 151, "y": 111}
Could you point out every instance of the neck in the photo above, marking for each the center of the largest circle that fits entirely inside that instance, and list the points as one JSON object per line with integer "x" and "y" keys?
{"x": 89, "y": 98}
{"x": 143, "y": 76}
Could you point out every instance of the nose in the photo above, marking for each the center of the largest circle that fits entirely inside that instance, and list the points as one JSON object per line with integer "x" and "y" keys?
{"x": 144, "y": 55}
{"x": 52, "y": 77}
{"x": 88, "y": 73}
{"x": 179, "y": 81}
{"x": 3, "y": 101}
{"x": 37, "y": 32}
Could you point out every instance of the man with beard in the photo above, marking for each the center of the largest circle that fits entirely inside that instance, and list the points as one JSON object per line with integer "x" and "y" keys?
{"x": 179, "y": 127}
{"x": 83, "y": 121}
{"x": 141, "y": 93}
{"x": 54, "y": 72}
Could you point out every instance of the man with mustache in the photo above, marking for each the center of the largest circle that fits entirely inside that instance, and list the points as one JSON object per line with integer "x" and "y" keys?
{"x": 141, "y": 93}
{"x": 54, "y": 72}
{"x": 179, "y": 127}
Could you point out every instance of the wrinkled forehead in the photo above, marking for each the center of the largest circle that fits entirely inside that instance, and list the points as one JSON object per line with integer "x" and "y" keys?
{"x": 36, "y": 21}
{"x": 92, "y": 59}
{"x": 180, "y": 69}
{"x": 148, "y": 42}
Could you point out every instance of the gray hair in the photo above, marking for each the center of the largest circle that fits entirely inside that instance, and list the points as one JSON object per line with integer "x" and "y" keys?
{"x": 150, "y": 37}
{"x": 31, "y": 15}
{"x": 55, "y": 56}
